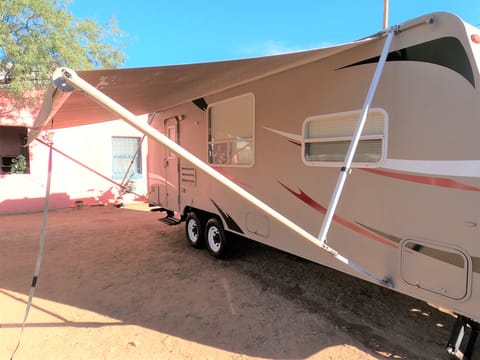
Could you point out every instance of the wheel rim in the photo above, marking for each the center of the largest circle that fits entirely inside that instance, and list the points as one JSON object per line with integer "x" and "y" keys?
{"x": 214, "y": 240}
{"x": 192, "y": 229}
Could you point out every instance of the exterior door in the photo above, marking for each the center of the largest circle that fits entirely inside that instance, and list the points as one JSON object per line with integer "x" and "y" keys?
{"x": 171, "y": 166}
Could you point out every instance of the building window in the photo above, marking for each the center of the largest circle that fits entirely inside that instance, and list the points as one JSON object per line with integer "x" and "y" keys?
{"x": 124, "y": 149}
{"x": 327, "y": 139}
{"x": 14, "y": 155}
{"x": 231, "y": 132}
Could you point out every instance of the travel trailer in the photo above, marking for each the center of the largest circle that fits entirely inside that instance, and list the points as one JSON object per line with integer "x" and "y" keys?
{"x": 372, "y": 145}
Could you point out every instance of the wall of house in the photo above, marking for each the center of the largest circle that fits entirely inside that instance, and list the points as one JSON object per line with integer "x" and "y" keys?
{"x": 90, "y": 145}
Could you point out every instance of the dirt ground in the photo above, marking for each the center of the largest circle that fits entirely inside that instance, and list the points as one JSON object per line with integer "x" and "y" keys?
{"x": 119, "y": 284}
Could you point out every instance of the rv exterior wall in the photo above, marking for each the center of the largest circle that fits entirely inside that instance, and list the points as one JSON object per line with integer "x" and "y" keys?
{"x": 432, "y": 112}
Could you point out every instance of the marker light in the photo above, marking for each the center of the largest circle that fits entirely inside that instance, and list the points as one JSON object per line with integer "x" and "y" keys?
{"x": 475, "y": 38}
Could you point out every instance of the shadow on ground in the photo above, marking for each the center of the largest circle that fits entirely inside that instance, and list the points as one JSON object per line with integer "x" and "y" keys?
{"x": 261, "y": 302}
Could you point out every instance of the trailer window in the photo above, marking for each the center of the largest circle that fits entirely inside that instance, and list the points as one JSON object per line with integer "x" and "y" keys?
{"x": 231, "y": 131}
{"x": 327, "y": 139}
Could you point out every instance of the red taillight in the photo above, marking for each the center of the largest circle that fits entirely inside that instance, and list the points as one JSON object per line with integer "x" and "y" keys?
{"x": 475, "y": 38}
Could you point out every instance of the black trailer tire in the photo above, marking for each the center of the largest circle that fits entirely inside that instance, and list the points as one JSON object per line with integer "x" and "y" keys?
{"x": 194, "y": 230}
{"x": 215, "y": 238}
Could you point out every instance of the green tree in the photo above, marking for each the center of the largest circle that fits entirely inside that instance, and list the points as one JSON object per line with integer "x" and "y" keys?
{"x": 37, "y": 36}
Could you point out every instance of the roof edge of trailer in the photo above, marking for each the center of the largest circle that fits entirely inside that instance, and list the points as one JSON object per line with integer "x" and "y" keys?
{"x": 145, "y": 90}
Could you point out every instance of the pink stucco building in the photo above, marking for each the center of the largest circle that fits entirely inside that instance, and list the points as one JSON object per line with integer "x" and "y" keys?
{"x": 84, "y": 159}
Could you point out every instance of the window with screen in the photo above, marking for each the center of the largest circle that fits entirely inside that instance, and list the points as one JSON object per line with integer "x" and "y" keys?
{"x": 231, "y": 132}
{"x": 327, "y": 139}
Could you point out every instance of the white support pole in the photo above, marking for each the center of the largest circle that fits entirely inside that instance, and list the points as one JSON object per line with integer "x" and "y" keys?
{"x": 385, "y": 14}
{"x": 72, "y": 79}
{"x": 345, "y": 170}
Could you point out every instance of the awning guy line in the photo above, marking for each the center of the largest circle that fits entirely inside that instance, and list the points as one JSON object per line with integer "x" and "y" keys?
{"x": 123, "y": 183}
{"x": 119, "y": 185}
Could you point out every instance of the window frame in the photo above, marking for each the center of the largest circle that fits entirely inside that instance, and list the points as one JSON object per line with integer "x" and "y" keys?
{"x": 356, "y": 115}
{"x": 138, "y": 165}
{"x": 230, "y": 142}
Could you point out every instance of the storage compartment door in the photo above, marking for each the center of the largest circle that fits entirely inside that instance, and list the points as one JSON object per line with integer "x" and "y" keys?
{"x": 439, "y": 269}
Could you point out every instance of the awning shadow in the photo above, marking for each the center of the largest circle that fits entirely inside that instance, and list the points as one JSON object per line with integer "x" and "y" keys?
{"x": 262, "y": 302}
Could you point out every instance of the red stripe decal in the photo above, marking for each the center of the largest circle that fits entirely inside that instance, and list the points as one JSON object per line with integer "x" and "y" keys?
{"x": 312, "y": 203}
{"x": 427, "y": 180}
{"x": 222, "y": 171}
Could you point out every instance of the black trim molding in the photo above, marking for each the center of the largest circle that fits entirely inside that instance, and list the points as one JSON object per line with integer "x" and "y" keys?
{"x": 446, "y": 51}
{"x": 200, "y": 103}
{"x": 232, "y": 225}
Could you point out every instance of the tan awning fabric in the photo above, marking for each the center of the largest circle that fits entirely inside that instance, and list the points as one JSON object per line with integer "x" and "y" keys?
{"x": 149, "y": 89}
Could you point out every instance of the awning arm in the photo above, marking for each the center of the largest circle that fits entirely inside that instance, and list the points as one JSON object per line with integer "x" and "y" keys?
{"x": 69, "y": 77}
{"x": 346, "y": 168}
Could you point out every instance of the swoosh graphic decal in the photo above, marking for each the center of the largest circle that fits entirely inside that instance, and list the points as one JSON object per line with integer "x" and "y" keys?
{"x": 222, "y": 171}
{"x": 463, "y": 168}
{"x": 426, "y": 52}
{"x": 427, "y": 180}
{"x": 294, "y": 138}
{"x": 392, "y": 238}
{"x": 232, "y": 225}
{"x": 444, "y": 256}
{"x": 433, "y": 253}
{"x": 379, "y": 235}
{"x": 357, "y": 228}
{"x": 459, "y": 168}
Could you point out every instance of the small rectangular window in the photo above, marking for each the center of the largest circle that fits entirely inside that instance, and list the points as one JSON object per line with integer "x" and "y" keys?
{"x": 328, "y": 137}
{"x": 124, "y": 149}
{"x": 231, "y": 132}
{"x": 14, "y": 155}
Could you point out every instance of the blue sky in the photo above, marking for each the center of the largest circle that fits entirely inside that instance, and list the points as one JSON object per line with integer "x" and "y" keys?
{"x": 165, "y": 32}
